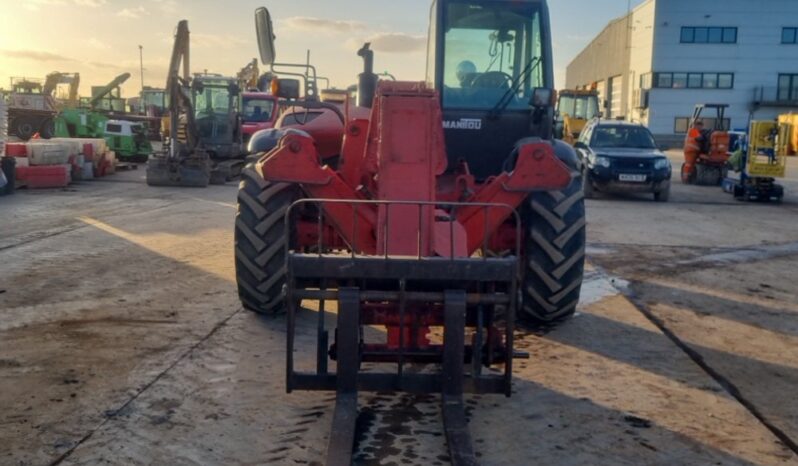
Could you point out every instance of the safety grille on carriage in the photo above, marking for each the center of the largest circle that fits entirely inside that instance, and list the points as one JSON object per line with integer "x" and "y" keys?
{"x": 398, "y": 291}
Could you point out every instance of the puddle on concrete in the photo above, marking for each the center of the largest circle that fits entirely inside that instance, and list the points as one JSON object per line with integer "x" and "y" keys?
{"x": 598, "y": 286}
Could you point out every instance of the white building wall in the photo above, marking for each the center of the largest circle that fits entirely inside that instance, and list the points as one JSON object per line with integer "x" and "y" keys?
{"x": 641, "y": 53}
{"x": 756, "y": 59}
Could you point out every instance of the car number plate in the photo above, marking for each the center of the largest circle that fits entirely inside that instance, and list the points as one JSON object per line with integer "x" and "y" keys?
{"x": 632, "y": 178}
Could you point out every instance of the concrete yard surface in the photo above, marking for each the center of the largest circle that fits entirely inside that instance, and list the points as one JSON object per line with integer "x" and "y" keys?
{"x": 122, "y": 341}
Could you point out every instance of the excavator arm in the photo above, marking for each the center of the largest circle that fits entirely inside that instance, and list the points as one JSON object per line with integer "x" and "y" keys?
{"x": 249, "y": 75}
{"x": 109, "y": 88}
{"x": 178, "y": 100}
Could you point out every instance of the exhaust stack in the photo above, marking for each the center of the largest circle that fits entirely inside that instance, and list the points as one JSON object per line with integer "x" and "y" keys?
{"x": 367, "y": 80}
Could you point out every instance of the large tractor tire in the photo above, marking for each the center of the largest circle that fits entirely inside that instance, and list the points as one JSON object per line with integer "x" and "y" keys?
{"x": 554, "y": 257}
{"x": 24, "y": 127}
{"x": 260, "y": 240}
{"x": 47, "y": 129}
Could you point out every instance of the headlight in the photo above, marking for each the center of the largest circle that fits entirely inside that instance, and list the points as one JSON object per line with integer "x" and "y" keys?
{"x": 661, "y": 164}
{"x": 602, "y": 161}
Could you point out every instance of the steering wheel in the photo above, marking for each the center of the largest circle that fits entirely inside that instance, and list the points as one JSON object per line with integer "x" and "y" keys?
{"x": 493, "y": 80}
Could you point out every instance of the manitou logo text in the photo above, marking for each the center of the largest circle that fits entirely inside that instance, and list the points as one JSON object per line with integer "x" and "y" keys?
{"x": 463, "y": 123}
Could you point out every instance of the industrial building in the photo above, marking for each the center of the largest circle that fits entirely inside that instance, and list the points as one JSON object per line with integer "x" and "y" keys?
{"x": 654, "y": 64}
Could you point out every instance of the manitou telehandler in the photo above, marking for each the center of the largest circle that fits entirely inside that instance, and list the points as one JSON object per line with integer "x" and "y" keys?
{"x": 450, "y": 212}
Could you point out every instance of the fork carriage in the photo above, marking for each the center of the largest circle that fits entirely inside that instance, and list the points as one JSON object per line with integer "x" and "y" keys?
{"x": 406, "y": 296}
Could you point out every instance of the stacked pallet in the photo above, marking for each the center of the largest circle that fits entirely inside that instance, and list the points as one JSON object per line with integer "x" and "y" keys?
{"x": 55, "y": 163}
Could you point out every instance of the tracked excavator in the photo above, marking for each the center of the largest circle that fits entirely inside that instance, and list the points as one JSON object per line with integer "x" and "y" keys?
{"x": 204, "y": 145}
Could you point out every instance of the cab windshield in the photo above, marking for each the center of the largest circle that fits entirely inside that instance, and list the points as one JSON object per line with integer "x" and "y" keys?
{"x": 584, "y": 107}
{"x": 212, "y": 101}
{"x": 489, "y": 46}
{"x": 257, "y": 110}
{"x": 155, "y": 99}
{"x": 627, "y": 137}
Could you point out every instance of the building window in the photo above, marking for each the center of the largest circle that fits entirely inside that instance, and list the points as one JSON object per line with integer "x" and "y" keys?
{"x": 789, "y": 36}
{"x": 729, "y": 35}
{"x": 679, "y": 80}
{"x": 694, "y": 80}
{"x": 681, "y": 125}
{"x": 664, "y": 80}
{"x": 710, "y": 81}
{"x": 725, "y": 81}
{"x": 788, "y": 87}
{"x": 709, "y": 35}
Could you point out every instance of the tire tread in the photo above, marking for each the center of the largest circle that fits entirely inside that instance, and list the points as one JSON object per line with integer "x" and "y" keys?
{"x": 554, "y": 255}
{"x": 260, "y": 241}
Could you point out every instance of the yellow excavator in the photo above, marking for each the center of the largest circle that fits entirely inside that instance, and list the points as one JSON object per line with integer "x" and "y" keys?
{"x": 249, "y": 76}
{"x": 574, "y": 109}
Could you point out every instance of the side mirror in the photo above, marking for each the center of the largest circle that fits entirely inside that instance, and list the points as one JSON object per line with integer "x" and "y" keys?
{"x": 265, "y": 33}
{"x": 542, "y": 97}
{"x": 580, "y": 145}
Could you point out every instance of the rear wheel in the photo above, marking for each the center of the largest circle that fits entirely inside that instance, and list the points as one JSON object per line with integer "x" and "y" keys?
{"x": 707, "y": 176}
{"x": 47, "y": 129}
{"x": 260, "y": 241}
{"x": 554, "y": 254}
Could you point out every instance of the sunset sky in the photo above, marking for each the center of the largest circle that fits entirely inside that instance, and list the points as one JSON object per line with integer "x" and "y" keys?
{"x": 100, "y": 38}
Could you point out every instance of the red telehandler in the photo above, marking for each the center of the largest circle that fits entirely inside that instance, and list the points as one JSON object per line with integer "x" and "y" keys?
{"x": 450, "y": 212}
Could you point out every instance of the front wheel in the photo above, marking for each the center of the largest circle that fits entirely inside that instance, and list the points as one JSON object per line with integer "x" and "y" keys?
{"x": 554, "y": 256}
{"x": 664, "y": 194}
{"x": 24, "y": 128}
{"x": 589, "y": 190}
{"x": 260, "y": 241}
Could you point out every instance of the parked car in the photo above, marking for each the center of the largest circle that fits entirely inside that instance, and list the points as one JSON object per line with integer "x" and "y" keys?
{"x": 618, "y": 156}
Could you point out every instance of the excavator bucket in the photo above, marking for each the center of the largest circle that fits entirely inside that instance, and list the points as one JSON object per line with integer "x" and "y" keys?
{"x": 194, "y": 171}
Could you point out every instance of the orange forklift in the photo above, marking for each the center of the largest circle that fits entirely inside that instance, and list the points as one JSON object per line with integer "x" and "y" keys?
{"x": 706, "y": 150}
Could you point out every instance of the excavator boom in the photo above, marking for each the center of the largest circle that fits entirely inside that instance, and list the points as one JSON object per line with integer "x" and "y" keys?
{"x": 108, "y": 88}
